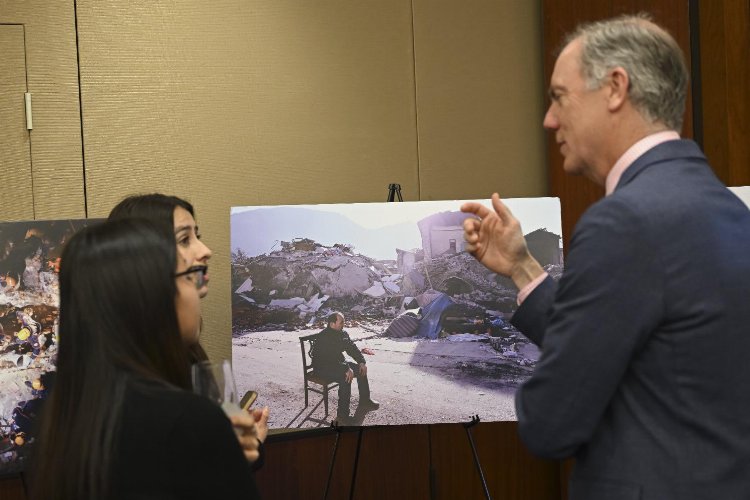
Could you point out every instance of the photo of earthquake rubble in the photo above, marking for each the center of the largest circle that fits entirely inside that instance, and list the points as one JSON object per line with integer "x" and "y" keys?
{"x": 431, "y": 323}
{"x": 29, "y": 263}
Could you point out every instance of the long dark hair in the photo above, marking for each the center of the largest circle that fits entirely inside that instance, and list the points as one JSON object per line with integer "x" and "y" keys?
{"x": 159, "y": 208}
{"x": 156, "y": 207}
{"x": 118, "y": 324}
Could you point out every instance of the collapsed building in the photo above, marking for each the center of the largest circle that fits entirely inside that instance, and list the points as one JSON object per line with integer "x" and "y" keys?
{"x": 304, "y": 281}
{"x": 431, "y": 292}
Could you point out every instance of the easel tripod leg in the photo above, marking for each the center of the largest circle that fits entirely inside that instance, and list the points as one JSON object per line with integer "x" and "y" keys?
{"x": 468, "y": 426}
{"x": 333, "y": 458}
{"x": 356, "y": 464}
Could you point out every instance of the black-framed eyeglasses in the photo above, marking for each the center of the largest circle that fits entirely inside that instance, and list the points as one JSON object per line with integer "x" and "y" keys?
{"x": 200, "y": 275}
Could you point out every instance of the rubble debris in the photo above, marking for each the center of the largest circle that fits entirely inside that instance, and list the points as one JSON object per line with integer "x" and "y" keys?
{"x": 300, "y": 282}
{"x": 464, "y": 318}
{"x": 403, "y": 326}
{"x": 554, "y": 270}
{"x": 286, "y": 303}
{"x": 247, "y": 286}
{"x": 376, "y": 290}
{"x": 432, "y": 314}
{"x": 454, "y": 285}
{"x": 335, "y": 262}
{"x": 515, "y": 347}
{"x": 299, "y": 244}
{"x": 314, "y": 304}
{"x": 413, "y": 282}
{"x": 468, "y": 337}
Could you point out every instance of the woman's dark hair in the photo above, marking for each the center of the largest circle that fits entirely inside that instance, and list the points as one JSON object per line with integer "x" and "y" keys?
{"x": 118, "y": 325}
{"x": 158, "y": 208}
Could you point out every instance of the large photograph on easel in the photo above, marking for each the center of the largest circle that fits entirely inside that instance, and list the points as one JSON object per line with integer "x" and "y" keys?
{"x": 29, "y": 262}
{"x": 318, "y": 290}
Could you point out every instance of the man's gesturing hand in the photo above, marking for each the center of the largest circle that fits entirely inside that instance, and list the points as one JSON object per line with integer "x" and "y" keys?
{"x": 495, "y": 239}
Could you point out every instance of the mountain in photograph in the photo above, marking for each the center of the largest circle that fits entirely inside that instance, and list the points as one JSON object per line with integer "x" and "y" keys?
{"x": 260, "y": 231}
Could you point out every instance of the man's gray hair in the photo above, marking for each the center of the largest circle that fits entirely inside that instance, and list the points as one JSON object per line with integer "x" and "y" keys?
{"x": 650, "y": 56}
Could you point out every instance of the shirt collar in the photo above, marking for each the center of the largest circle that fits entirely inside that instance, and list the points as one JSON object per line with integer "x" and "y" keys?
{"x": 633, "y": 153}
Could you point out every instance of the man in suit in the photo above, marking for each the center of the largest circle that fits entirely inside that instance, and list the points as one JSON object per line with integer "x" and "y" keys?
{"x": 645, "y": 340}
{"x": 328, "y": 361}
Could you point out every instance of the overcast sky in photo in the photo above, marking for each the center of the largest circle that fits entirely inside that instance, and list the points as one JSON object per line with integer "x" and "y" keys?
{"x": 374, "y": 229}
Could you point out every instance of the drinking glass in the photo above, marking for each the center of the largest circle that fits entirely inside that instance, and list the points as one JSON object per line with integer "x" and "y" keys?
{"x": 214, "y": 380}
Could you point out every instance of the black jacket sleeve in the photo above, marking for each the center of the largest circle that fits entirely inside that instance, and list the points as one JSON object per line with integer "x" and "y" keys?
{"x": 351, "y": 348}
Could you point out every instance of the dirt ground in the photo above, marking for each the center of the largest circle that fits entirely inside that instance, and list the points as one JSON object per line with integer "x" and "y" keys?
{"x": 415, "y": 380}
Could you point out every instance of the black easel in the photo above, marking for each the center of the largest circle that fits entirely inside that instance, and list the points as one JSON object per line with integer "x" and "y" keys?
{"x": 339, "y": 430}
{"x": 393, "y": 191}
{"x": 468, "y": 425}
{"x": 336, "y": 428}
{"x": 356, "y": 462}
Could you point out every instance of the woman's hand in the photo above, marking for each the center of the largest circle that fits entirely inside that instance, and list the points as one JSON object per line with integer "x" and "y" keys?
{"x": 253, "y": 429}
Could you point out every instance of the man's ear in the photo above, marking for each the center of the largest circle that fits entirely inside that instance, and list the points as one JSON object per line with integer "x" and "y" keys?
{"x": 619, "y": 86}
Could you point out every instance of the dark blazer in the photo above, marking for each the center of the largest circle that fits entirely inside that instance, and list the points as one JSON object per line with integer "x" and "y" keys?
{"x": 327, "y": 357}
{"x": 644, "y": 375}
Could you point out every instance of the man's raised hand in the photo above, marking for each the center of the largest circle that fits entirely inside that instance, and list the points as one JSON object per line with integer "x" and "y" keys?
{"x": 495, "y": 239}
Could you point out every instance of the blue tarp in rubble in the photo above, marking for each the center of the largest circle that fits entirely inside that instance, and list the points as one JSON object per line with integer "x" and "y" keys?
{"x": 429, "y": 325}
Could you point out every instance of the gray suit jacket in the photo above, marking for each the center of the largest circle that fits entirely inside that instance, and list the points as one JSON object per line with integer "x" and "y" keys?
{"x": 644, "y": 375}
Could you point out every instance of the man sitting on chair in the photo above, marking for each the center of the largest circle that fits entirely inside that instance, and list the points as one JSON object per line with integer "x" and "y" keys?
{"x": 328, "y": 361}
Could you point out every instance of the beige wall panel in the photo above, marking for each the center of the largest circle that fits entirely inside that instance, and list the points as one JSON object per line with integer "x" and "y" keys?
{"x": 52, "y": 77}
{"x": 17, "y": 202}
{"x": 479, "y": 98}
{"x": 246, "y": 102}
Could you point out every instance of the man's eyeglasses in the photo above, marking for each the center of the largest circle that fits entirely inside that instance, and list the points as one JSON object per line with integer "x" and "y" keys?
{"x": 200, "y": 275}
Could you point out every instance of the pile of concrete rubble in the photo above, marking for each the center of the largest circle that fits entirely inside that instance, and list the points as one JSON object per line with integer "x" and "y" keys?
{"x": 301, "y": 283}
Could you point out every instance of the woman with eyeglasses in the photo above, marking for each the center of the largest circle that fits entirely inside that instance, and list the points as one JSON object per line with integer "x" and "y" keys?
{"x": 177, "y": 216}
{"x": 121, "y": 421}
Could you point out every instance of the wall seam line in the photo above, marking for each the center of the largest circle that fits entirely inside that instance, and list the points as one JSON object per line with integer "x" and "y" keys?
{"x": 80, "y": 111}
{"x": 416, "y": 103}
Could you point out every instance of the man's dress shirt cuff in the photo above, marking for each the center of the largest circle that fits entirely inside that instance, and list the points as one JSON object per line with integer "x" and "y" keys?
{"x": 532, "y": 316}
{"x": 525, "y": 291}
